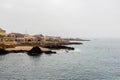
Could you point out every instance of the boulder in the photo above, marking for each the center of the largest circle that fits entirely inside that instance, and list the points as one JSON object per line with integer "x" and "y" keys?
{"x": 3, "y": 52}
{"x": 35, "y": 51}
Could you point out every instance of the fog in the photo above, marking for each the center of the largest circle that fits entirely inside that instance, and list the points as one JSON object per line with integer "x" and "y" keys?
{"x": 65, "y": 18}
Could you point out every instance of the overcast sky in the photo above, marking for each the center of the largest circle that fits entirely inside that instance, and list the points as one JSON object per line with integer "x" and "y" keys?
{"x": 66, "y": 18}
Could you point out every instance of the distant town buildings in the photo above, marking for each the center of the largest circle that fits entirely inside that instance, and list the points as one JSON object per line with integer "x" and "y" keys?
{"x": 2, "y": 32}
{"x": 53, "y": 38}
{"x": 12, "y": 37}
{"x": 17, "y": 38}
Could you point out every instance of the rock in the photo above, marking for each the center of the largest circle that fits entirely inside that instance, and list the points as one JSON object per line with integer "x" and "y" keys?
{"x": 49, "y": 52}
{"x": 3, "y": 52}
{"x": 17, "y": 51}
{"x": 75, "y": 43}
{"x": 60, "y": 47}
{"x": 35, "y": 51}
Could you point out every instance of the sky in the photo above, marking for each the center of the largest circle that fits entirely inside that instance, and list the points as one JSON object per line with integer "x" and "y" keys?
{"x": 65, "y": 18}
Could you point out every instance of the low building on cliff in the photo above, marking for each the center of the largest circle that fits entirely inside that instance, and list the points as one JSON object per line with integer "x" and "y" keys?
{"x": 14, "y": 37}
{"x": 2, "y": 34}
{"x": 53, "y": 39}
{"x": 33, "y": 39}
{"x": 39, "y": 38}
{"x": 29, "y": 39}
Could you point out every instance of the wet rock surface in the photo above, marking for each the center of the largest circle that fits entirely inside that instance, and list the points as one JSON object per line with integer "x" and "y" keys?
{"x": 35, "y": 51}
{"x": 60, "y": 47}
{"x": 3, "y": 52}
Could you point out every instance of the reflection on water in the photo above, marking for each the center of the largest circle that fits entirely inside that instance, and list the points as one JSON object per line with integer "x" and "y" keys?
{"x": 95, "y": 60}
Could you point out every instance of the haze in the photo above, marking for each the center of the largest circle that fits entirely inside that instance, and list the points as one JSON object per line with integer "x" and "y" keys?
{"x": 66, "y": 18}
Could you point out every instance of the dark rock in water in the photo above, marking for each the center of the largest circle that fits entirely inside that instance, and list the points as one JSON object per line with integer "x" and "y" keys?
{"x": 76, "y": 43}
{"x": 49, "y": 52}
{"x": 60, "y": 47}
{"x": 17, "y": 51}
{"x": 33, "y": 54}
{"x": 35, "y": 51}
{"x": 3, "y": 52}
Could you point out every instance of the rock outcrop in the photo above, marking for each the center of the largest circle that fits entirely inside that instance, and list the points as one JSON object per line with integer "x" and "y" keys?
{"x": 35, "y": 51}
{"x": 3, "y": 52}
{"x": 60, "y": 47}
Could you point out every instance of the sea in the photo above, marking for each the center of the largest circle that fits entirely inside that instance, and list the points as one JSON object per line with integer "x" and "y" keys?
{"x": 98, "y": 59}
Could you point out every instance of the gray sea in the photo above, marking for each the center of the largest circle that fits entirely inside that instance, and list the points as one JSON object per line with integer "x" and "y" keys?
{"x": 98, "y": 59}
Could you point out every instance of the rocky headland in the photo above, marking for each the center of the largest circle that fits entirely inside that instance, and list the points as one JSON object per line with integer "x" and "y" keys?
{"x": 34, "y": 44}
{"x": 36, "y": 48}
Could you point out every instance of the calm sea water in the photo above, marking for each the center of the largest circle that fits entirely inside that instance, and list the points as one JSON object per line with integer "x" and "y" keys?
{"x": 95, "y": 60}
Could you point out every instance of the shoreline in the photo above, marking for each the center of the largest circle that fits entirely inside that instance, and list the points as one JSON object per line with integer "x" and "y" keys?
{"x": 36, "y": 48}
{"x": 41, "y": 48}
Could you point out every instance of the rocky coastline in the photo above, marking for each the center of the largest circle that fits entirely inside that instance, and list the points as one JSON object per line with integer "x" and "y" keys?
{"x": 34, "y": 44}
{"x": 36, "y": 48}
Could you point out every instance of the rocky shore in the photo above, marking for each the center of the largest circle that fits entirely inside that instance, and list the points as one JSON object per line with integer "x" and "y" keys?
{"x": 36, "y": 48}
{"x": 34, "y": 44}
{"x": 60, "y": 47}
